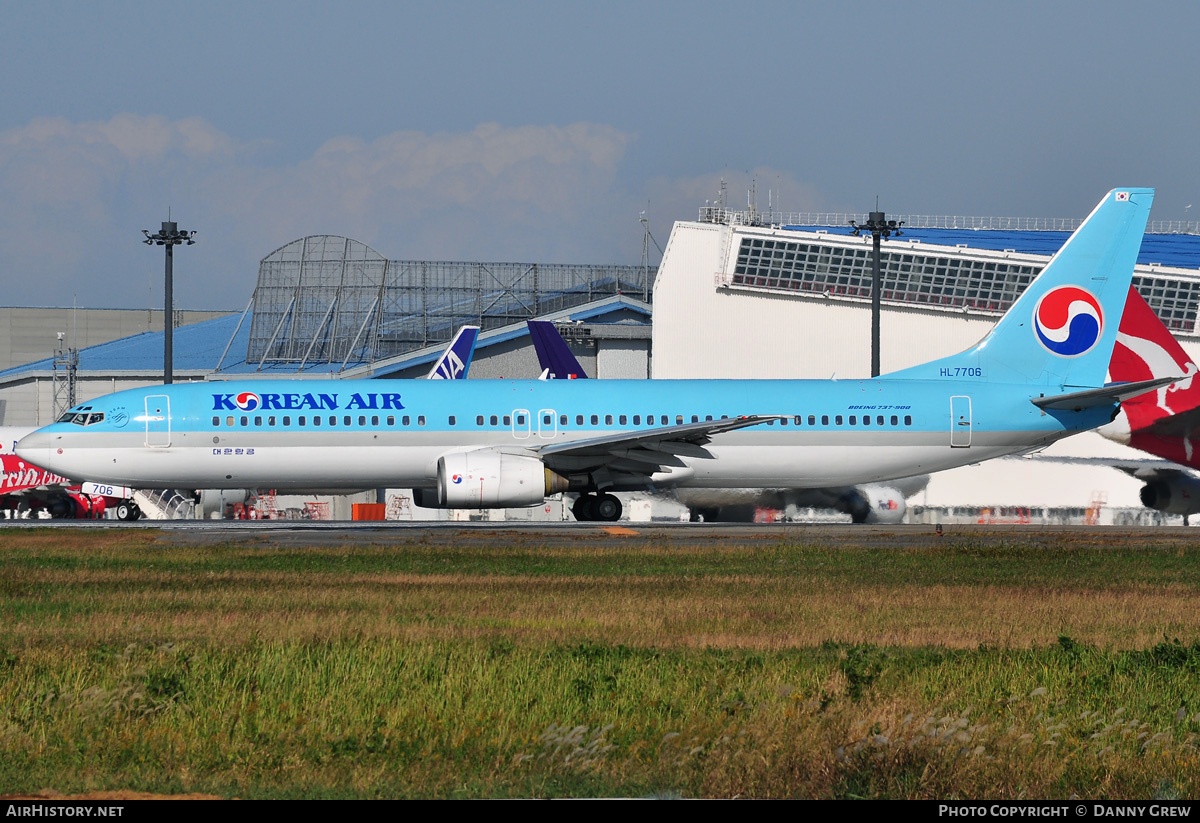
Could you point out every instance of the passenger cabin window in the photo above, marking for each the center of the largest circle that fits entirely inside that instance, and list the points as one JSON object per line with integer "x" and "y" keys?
{"x": 895, "y": 420}
{"x": 405, "y": 420}
{"x": 562, "y": 420}
{"x": 637, "y": 420}
{"x": 623, "y": 420}
{"x": 391, "y": 421}
{"x": 579, "y": 420}
{"x": 824, "y": 420}
{"x": 492, "y": 420}
{"x": 507, "y": 420}
{"x": 420, "y": 420}
{"x": 216, "y": 420}
{"x": 287, "y": 421}
{"x": 271, "y": 420}
{"x": 258, "y": 421}
{"x": 452, "y": 420}
{"x": 608, "y": 419}
{"x": 853, "y": 420}
{"x": 520, "y": 420}
{"x": 908, "y": 419}
{"x": 837, "y": 420}
{"x": 374, "y": 420}
{"x": 229, "y": 420}
{"x": 812, "y": 420}
{"x": 595, "y": 419}
{"x": 479, "y": 420}
{"x": 300, "y": 420}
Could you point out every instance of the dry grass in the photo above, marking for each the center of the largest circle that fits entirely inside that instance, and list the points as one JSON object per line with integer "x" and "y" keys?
{"x": 1003, "y": 669}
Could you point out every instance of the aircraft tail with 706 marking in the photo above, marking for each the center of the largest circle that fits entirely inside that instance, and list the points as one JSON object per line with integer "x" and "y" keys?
{"x": 1037, "y": 377}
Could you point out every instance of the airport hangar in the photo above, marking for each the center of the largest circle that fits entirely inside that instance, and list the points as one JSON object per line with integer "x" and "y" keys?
{"x": 737, "y": 294}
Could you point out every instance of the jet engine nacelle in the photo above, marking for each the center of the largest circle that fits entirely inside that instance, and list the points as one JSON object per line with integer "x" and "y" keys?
{"x": 1174, "y": 495}
{"x": 875, "y": 504}
{"x": 486, "y": 479}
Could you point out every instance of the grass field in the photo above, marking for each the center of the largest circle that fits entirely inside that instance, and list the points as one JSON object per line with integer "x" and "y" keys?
{"x": 977, "y": 666}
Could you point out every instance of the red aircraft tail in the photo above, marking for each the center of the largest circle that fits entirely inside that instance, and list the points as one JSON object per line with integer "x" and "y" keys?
{"x": 1158, "y": 421}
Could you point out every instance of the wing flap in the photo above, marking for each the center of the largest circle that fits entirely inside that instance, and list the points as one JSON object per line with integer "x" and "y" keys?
{"x": 649, "y": 450}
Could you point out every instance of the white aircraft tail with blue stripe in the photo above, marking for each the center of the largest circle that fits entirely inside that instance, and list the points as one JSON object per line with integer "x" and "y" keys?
{"x": 1060, "y": 332}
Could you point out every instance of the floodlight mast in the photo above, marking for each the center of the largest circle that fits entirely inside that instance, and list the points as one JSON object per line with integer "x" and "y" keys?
{"x": 879, "y": 226}
{"x": 169, "y": 236}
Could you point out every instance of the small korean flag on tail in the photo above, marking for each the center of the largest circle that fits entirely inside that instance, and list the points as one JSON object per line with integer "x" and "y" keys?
{"x": 1122, "y": 196}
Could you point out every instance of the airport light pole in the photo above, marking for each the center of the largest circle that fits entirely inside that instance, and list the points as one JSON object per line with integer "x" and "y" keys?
{"x": 879, "y": 226}
{"x": 169, "y": 236}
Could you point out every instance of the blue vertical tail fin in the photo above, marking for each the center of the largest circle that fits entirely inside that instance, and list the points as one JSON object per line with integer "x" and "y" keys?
{"x": 1060, "y": 332}
{"x": 455, "y": 361}
{"x": 553, "y": 354}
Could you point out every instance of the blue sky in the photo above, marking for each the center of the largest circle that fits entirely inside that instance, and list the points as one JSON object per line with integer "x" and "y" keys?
{"x": 539, "y": 131}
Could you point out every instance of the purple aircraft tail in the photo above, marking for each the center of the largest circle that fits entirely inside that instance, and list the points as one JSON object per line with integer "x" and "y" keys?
{"x": 555, "y": 358}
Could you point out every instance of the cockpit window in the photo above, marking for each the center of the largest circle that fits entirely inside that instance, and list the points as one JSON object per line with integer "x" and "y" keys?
{"x": 83, "y": 418}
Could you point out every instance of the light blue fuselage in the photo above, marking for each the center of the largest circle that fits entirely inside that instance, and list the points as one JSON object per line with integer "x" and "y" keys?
{"x": 382, "y": 433}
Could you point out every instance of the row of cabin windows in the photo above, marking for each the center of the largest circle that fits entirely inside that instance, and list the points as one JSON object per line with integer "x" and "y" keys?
{"x": 548, "y": 420}
{"x": 317, "y": 420}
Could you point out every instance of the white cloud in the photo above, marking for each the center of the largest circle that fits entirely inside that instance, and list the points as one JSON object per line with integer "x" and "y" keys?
{"x": 77, "y": 194}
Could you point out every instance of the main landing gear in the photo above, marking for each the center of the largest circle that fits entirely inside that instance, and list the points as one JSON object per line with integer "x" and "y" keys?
{"x": 597, "y": 507}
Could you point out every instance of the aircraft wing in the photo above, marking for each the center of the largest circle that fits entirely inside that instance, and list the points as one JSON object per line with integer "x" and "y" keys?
{"x": 1148, "y": 469}
{"x": 645, "y": 451}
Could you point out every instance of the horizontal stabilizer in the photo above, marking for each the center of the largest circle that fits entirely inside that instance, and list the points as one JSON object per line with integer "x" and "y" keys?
{"x": 1103, "y": 396}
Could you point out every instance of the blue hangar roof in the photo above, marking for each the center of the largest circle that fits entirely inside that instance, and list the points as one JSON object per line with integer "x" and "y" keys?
{"x": 199, "y": 346}
{"x": 195, "y": 348}
{"x": 1177, "y": 250}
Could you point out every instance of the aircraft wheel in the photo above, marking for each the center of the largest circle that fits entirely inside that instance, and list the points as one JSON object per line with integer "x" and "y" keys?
{"x": 584, "y": 508}
{"x": 128, "y": 511}
{"x": 608, "y": 508}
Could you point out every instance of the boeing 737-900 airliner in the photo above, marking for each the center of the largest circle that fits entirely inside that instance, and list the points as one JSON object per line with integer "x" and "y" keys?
{"x": 1038, "y": 376}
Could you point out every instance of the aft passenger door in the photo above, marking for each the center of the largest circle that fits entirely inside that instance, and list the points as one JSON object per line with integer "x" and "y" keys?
{"x": 158, "y": 421}
{"x": 960, "y": 422}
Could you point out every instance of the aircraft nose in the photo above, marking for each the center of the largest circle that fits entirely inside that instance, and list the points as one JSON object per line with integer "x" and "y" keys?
{"x": 35, "y": 448}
